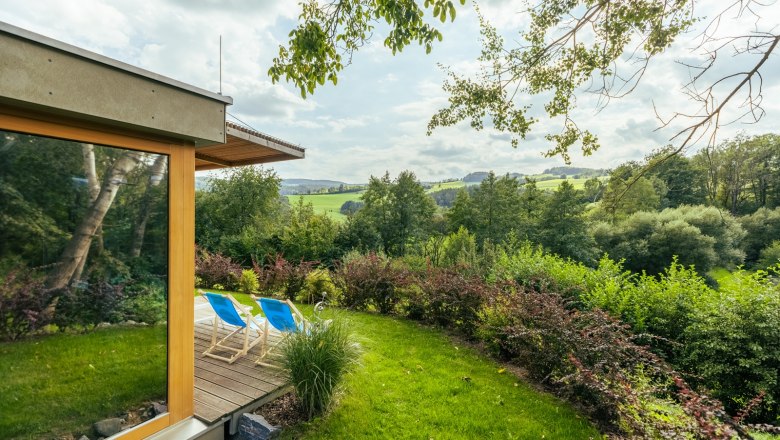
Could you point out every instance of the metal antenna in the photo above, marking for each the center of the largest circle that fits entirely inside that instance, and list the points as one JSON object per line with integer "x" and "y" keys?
{"x": 220, "y": 64}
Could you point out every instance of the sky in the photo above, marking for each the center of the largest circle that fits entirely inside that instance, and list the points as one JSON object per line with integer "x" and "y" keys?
{"x": 375, "y": 119}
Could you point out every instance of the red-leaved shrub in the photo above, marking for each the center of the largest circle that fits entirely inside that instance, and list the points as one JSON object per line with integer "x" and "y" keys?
{"x": 450, "y": 298}
{"x": 24, "y": 304}
{"x": 281, "y": 277}
{"x": 370, "y": 281}
{"x": 216, "y": 269}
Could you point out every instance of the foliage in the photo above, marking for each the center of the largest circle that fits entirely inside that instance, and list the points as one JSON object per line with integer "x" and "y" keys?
{"x": 308, "y": 236}
{"x": 742, "y": 173}
{"x": 554, "y": 61}
{"x": 593, "y": 360}
{"x": 399, "y": 211}
{"x": 733, "y": 342}
{"x": 770, "y": 256}
{"x": 531, "y": 267}
{"x": 248, "y": 282}
{"x": 360, "y": 234}
{"x": 350, "y": 207}
{"x": 659, "y": 305}
{"x": 237, "y": 214}
{"x": 282, "y": 278}
{"x": 683, "y": 181}
{"x": 328, "y": 32}
{"x": 762, "y": 228}
{"x": 145, "y": 303}
{"x": 370, "y": 282}
{"x": 451, "y": 299}
{"x": 565, "y": 232}
{"x": 319, "y": 282}
{"x": 697, "y": 235}
{"x": 24, "y": 304}
{"x": 489, "y": 211}
{"x": 216, "y": 269}
{"x": 87, "y": 307}
{"x": 317, "y": 361}
{"x": 627, "y": 192}
{"x": 445, "y": 197}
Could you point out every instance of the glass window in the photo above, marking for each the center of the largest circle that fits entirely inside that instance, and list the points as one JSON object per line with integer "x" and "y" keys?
{"x": 83, "y": 287}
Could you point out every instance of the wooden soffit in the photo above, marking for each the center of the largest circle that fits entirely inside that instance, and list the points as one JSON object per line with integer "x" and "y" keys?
{"x": 244, "y": 146}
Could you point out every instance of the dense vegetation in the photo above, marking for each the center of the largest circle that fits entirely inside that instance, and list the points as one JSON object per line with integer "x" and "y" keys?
{"x": 622, "y": 260}
{"x": 601, "y": 294}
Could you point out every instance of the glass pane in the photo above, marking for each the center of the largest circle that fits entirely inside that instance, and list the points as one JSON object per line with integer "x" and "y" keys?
{"x": 83, "y": 287}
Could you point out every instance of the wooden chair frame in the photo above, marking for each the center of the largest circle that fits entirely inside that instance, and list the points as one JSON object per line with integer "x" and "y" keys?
{"x": 266, "y": 348}
{"x": 246, "y": 345}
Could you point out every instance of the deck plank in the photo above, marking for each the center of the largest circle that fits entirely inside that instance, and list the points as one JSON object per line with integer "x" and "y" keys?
{"x": 222, "y": 389}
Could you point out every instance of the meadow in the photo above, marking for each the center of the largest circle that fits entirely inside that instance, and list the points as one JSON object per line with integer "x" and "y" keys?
{"x": 330, "y": 204}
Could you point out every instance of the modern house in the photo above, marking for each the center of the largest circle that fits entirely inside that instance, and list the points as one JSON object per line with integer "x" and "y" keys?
{"x": 54, "y": 91}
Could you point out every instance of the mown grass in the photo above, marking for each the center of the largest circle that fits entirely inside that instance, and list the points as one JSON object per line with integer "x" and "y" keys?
{"x": 60, "y": 384}
{"x": 415, "y": 382}
{"x": 329, "y": 204}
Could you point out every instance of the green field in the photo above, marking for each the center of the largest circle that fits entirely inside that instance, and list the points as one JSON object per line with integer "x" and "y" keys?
{"x": 329, "y": 204}
{"x": 553, "y": 184}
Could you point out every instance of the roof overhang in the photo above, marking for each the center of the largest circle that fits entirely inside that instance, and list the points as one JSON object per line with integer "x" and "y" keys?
{"x": 48, "y": 77}
{"x": 244, "y": 146}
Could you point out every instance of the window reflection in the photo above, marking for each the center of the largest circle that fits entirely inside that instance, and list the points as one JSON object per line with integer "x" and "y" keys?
{"x": 83, "y": 287}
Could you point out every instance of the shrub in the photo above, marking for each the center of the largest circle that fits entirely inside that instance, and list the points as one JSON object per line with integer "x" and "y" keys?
{"x": 146, "y": 303}
{"x": 24, "y": 304}
{"x": 87, "y": 307}
{"x": 658, "y": 305}
{"x": 317, "y": 360}
{"x": 282, "y": 278}
{"x": 318, "y": 282}
{"x": 591, "y": 359}
{"x": 370, "y": 281}
{"x": 450, "y": 299}
{"x": 248, "y": 282}
{"x": 216, "y": 269}
{"x": 460, "y": 249}
{"x": 770, "y": 256}
{"x": 733, "y": 343}
{"x": 530, "y": 266}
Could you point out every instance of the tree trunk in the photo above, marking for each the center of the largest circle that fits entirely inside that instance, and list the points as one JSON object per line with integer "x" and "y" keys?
{"x": 93, "y": 189}
{"x": 158, "y": 172}
{"x": 78, "y": 246}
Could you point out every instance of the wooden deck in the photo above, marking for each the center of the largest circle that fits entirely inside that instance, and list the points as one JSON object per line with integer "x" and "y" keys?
{"x": 225, "y": 390}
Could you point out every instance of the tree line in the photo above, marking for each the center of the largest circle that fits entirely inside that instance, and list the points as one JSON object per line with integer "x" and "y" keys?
{"x": 715, "y": 208}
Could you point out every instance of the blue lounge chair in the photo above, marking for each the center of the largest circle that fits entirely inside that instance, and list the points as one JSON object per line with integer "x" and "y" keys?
{"x": 232, "y": 313}
{"x": 282, "y": 316}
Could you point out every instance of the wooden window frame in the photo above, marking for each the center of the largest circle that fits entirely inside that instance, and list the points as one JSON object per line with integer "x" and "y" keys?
{"x": 181, "y": 244}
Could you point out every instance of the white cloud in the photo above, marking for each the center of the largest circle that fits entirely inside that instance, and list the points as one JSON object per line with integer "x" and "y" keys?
{"x": 376, "y": 118}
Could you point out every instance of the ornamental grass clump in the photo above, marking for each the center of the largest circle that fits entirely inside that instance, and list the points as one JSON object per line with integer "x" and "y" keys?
{"x": 317, "y": 361}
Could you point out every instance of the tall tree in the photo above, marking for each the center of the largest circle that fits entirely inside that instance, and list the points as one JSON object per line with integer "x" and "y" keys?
{"x": 685, "y": 184}
{"x": 239, "y": 213}
{"x": 400, "y": 211}
{"x": 157, "y": 174}
{"x": 492, "y": 211}
{"x": 308, "y": 236}
{"x": 626, "y": 194}
{"x": 78, "y": 246}
{"x": 563, "y": 225}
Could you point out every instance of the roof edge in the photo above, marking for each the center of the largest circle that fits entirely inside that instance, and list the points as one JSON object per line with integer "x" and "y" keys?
{"x": 110, "y": 62}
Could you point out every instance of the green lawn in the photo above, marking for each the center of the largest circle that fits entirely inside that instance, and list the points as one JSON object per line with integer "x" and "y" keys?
{"x": 555, "y": 183}
{"x": 329, "y": 204}
{"x": 61, "y": 384}
{"x": 447, "y": 185}
{"x": 416, "y": 383}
